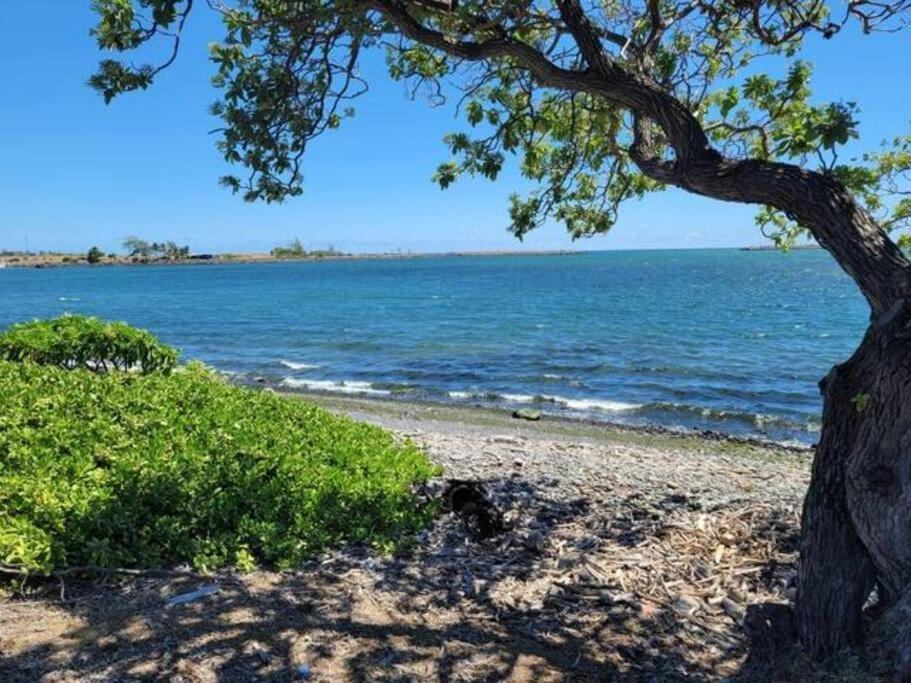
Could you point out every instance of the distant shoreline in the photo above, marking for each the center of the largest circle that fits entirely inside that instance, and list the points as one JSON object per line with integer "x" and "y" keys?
{"x": 772, "y": 247}
{"x": 70, "y": 260}
{"x": 62, "y": 260}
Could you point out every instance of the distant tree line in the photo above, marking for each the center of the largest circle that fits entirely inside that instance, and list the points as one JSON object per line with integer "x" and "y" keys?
{"x": 141, "y": 249}
{"x": 295, "y": 249}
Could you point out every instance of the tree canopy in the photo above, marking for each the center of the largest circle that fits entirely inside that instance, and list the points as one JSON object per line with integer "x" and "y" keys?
{"x": 571, "y": 89}
{"x": 169, "y": 250}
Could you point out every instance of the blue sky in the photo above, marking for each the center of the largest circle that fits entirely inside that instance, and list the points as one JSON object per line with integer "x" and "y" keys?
{"x": 74, "y": 172}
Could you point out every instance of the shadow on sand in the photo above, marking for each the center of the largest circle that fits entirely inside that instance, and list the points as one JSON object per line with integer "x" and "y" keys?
{"x": 514, "y": 608}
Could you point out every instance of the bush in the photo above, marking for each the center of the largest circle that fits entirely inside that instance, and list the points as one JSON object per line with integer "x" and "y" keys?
{"x": 78, "y": 342}
{"x": 131, "y": 470}
{"x": 294, "y": 250}
{"x": 94, "y": 255}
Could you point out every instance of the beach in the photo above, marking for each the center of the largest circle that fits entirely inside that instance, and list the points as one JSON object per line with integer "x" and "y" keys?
{"x": 626, "y": 555}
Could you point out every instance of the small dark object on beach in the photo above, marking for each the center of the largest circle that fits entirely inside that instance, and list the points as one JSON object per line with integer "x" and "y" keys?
{"x": 526, "y": 414}
{"x": 470, "y": 501}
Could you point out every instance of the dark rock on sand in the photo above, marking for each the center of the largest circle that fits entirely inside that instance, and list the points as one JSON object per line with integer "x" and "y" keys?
{"x": 527, "y": 414}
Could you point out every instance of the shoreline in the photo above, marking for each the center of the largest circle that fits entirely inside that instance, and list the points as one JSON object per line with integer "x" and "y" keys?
{"x": 63, "y": 260}
{"x": 390, "y": 412}
{"x": 12, "y": 259}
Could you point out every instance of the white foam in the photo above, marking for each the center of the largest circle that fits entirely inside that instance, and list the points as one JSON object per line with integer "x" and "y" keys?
{"x": 518, "y": 398}
{"x": 342, "y": 387}
{"x": 291, "y": 365}
{"x": 571, "y": 403}
{"x": 593, "y": 404}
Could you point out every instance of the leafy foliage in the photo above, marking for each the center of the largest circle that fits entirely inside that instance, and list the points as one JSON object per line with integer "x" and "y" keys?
{"x": 94, "y": 255}
{"x": 288, "y": 71}
{"x": 74, "y": 341}
{"x": 131, "y": 470}
{"x": 170, "y": 251}
{"x": 293, "y": 250}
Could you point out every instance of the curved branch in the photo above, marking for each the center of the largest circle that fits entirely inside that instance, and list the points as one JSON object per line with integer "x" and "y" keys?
{"x": 545, "y": 71}
{"x": 816, "y": 201}
{"x": 586, "y": 36}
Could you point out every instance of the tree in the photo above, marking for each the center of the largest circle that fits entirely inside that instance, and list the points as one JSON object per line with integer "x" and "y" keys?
{"x": 94, "y": 255}
{"x": 602, "y": 103}
{"x": 172, "y": 252}
{"x": 137, "y": 247}
{"x": 163, "y": 250}
{"x": 294, "y": 249}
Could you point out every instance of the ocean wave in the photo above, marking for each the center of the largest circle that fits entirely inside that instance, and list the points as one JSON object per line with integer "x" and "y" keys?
{"x": 579, "y": 404}
{"x": 292, "y": 365}
{"x": 667, "y": 413}
{"x": 336, "y": 387}
{"x": 596, "y": 404}
{"x": 758, "y": 420}
{"x": 519, "y": 398}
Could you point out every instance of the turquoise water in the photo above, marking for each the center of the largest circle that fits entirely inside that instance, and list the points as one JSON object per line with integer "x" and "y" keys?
{"x": 718, "y": 339}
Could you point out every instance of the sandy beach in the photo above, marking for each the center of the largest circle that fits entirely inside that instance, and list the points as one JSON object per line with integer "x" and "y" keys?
{"x": 627, "y": 555}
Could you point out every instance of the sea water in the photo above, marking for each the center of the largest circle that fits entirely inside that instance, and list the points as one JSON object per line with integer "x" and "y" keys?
{"x": 727, "y": 340}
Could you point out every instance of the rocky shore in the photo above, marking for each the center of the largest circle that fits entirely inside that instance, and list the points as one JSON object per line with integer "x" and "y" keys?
{"x": 625, "y": 555}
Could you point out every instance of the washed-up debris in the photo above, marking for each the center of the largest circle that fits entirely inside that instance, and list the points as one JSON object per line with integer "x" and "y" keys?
{"x": 183, "y": 598}
{"x": 303, "y": 672}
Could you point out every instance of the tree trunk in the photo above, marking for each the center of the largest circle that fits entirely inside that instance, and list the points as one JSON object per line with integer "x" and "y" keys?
{"x": 857, "y": 513}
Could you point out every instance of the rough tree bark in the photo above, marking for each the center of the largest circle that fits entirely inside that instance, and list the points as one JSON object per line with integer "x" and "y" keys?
{"x": 857, "y": 514}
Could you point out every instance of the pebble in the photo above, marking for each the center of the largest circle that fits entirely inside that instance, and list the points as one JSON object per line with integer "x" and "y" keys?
{"x": 512, "y": 440}
{"x": 685, "y": 604}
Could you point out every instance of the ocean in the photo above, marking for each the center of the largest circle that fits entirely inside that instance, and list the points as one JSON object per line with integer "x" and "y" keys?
{"x": 726, "y": 340}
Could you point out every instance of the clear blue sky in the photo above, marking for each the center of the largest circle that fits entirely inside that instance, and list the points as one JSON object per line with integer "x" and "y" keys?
{"x": 74, "y": 172}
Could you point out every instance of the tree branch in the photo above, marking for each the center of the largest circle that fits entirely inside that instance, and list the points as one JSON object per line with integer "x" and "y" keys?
{"x": 545, "y": 71}
{"x": 815, "y": 200}
{"x": 586, "y": 36}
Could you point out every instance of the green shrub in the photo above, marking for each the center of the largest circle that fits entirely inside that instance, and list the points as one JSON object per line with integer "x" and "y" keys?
{"x": 121, "y": 469}
{"x": 94, "y": 255}
{"x": 78, "y": 342}
{"x": 294, "y": 250}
